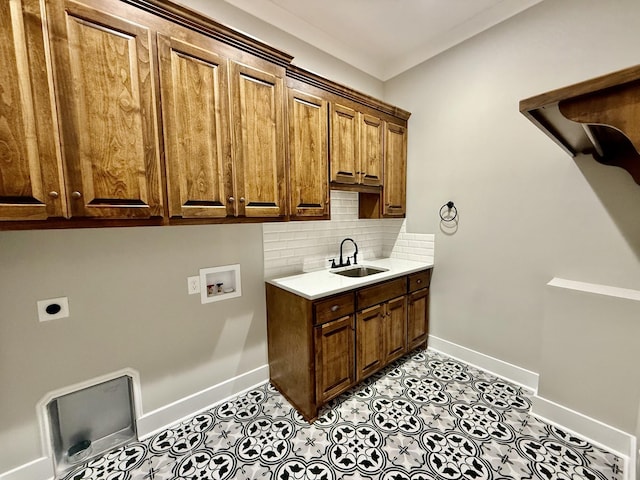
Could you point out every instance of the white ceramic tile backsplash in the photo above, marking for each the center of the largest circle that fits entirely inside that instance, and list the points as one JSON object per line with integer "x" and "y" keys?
{"x": 295, "y": 247}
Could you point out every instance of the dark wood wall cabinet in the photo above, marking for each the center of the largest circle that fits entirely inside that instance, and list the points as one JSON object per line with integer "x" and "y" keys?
{"x": 320, "y": 348}
{"x": 144, "y": 112}
{"x": 600, "y": 117}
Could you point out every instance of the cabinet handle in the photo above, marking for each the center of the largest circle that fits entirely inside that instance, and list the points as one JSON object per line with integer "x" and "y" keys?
{"x": 54, "y": 194}
{"x": 335, "y": 308}
{"x": 76, "y": 194}
{"x": 231, "y": 199}
{"x": 241, "y": 199}
{"x": 419, "y": 282}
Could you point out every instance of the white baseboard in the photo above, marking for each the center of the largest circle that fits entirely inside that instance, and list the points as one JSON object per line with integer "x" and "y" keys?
{"x": 508, "y": 371}
{"x": 161, "y": 418}
{"x": 598, "y": 433}
{"x": 39, "y": 469}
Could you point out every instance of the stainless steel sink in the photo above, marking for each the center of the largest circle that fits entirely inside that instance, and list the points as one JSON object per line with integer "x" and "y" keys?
{"x": 359, "y": 271}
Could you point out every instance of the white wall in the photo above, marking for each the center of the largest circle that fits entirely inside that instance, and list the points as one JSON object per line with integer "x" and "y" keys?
{"x": 129, "y": 307}
{"x": 527, "y": 212}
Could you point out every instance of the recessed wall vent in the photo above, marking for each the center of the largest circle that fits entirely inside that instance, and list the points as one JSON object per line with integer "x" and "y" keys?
{"x": 91, "y": 421}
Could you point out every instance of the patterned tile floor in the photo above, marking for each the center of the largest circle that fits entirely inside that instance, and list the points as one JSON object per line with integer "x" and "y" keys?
{"x": 424, "y": 417}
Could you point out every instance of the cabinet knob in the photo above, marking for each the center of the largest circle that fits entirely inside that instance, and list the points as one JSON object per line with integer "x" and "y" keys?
{"x": 241, "y": 199}
{"x": 54, "y": 194}
{"x": 76, "y": 194}
{"x": 419, "y": 282}
{"x": 231, "y": 199}
{"x": 335, "y": 308}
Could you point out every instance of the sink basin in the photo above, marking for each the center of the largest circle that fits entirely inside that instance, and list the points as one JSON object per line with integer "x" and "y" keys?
{"x": 359, "y": 271}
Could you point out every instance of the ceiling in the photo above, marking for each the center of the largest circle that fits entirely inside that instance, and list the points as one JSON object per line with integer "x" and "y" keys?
{"x": 383, "y": 37}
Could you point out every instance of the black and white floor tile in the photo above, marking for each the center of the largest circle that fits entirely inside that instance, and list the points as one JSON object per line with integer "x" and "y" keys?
{"x": 425, "y": 417}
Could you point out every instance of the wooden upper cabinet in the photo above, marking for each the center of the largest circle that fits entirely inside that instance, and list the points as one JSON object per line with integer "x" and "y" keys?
{"x": 371, "y": 150}
{"x": 31, "y": 182}
{"x": 308, "y": 155}
{"x": 395, "y": 170}
{"x": 105, "y": 85}
{"x": 257, "y": 113}
{"x": 195, "y": 112}
{"x": 356, "y": 147}
{"x": 345, "y": 152}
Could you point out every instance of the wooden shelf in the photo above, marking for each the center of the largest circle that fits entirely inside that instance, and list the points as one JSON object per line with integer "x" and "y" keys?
{"x": 600, "y": 117}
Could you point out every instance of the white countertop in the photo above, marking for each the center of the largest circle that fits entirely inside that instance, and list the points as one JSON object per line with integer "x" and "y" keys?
{"x": 322, "y": 283}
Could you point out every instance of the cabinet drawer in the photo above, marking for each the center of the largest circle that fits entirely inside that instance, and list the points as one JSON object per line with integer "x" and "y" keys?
{"x": 379, "y": 293}
{"x": 332, "y": 308}
{"x": 419, "y": 280}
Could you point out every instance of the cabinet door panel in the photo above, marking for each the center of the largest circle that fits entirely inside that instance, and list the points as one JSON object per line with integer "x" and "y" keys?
{"x": 344, "y": 145}
{"x": 195, "y": 112}
{"x": 371, "y": 134}
{"x": 108, "y": 113}
{"x": 334, "y": 345}
{"x": 369, "y": 339}
{"x": 418, "y": 318}
{"x": 395, "y": 336}
{"x": 395, "y": 170}
{"x": 308, "y": 155}
{"x": 258, "y": 137}
{"x": 31, "y": 186}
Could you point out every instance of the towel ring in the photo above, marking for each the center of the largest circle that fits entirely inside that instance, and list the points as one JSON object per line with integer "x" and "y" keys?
{"x": 450, "y": 207}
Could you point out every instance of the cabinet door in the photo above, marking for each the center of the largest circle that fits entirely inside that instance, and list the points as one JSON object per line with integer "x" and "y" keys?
{"x": 371, "y": 141}
{"x": 395, "y": 170}
{"x": 195, "y": 111}
{"x": 395, "y": 334}
{"x": 258, "y": 140}
{"x": 31, "y": 184}
{"x": 369, "y": 340}
{"x": 108, "y": 113}
{"x": 345, "y": 154}
{"x": 334, "y": 345}
{"x": 308, "y": 155}
{"x": 418, "y": 318}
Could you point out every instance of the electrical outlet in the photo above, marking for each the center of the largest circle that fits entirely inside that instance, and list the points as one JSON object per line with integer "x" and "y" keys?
{"x": 53, "y": 308}
{"x": 193, "y": 285}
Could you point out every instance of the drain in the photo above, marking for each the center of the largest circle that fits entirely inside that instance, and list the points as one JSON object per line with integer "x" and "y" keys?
{"x": 79, "y": 451}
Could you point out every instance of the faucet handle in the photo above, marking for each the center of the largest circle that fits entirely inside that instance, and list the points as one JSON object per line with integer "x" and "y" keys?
{"x": 333, "y": 263}
{"x": 348, "y": 262}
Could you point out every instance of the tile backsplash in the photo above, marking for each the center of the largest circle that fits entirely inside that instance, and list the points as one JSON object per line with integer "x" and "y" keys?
{"x": 296, "y": 247}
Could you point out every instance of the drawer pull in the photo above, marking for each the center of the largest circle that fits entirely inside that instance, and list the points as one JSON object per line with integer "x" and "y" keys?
{"x": 335, "y": 308}
{"x": 419, "y": 281}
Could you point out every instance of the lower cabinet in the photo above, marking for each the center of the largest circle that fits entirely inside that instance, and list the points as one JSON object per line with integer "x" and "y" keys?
{"x": 334, "y": 357}
{"x": 320, "y": 348}
{"x": 381, "y": 336}
{"x": 418, "y": 309}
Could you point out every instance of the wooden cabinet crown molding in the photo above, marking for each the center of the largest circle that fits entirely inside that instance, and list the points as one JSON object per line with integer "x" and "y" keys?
{"x": 341, "y": 91}
{"x": 194, "y": 20}
{"x": 600, "y": 117}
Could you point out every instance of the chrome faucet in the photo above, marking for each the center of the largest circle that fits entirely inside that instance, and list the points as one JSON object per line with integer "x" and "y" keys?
{"x": 342, "y": 263}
